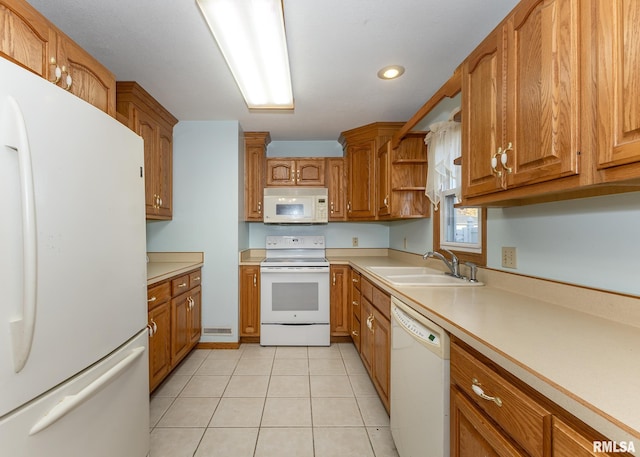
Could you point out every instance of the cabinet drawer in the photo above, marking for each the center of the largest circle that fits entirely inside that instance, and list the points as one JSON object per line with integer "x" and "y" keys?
{"x": 513, "y": 410}
{"x": 382, "y": 301}
{"x": 179, "y": 285}
{"x": 158, "y": 294}
{"x": 355, "y": 280}
{"x": 367, "y": 289}
{"x": 195, "y": 279}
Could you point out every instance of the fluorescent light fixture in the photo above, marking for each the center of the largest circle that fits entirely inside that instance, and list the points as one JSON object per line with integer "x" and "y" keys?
{"x": 251, "y": 36}
{"x": 391, "y": 72}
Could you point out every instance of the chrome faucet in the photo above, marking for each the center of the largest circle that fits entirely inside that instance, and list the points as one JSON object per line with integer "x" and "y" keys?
{"x": 452, "y": 265}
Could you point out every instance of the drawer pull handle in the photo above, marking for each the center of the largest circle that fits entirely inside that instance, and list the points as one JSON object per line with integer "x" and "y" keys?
{"x": 480, "y": 393}
{"x": 197, "y": 278}
{"x": 184, "y": 284}
{"x": 354, "y": 303}
{"x": 354, "y": 333}
{"x": 151, "y": 300}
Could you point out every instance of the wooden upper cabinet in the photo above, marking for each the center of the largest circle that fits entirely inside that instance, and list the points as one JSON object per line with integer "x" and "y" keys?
{"x": 361, "y": 146}
{"x": 139, "y": 111}
{"x": 520, "y": 99}
{"x": 542, "y": 91}
{"x": 336, "y": 188}
{"x": 482, "y": 95}
{"x": 383, "y": 177}
{"x": 26, "y": 37}
{"x": 614, "y": 27}
{"x": 295, "y": 172}
{"x": 89, "y": 80}
{"x": 255, "y": 151}
{"x": 30, "y": 40}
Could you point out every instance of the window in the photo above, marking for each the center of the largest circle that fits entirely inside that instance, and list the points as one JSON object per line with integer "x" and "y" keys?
{"x": 461, "y": 230}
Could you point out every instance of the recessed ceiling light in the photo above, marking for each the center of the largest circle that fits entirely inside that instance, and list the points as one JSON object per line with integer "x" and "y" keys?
{"x": 391, "y": 72}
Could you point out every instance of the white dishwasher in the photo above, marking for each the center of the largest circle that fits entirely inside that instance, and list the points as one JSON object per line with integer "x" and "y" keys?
{"x": 419, "y": 384}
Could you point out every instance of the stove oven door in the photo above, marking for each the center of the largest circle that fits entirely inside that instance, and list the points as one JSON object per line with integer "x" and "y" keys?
{"x": 294, "y": 295}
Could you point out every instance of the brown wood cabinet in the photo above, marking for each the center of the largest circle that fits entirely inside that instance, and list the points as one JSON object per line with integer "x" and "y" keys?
{"x": 336, "y": 182}
{"x": 340, "y": 311}
{"x": 361, "y": 146}
{"x": 375, "y": 340}
{"x": 614, "y": 28}
{"x": 175, "y": 310}
{"x": 146, "y": 117}
{"x": 296, "y": 172}
{"x": 356, "y": 299}
{"x": 520, "y": 104}
{"x": 494, "y": 413}
{"x": 255, "y": 152}
{"x": 401, "y": 177}
{"x": 249, "y": 301}
{"x": 159, "y": 327}
{"x": 30, "y": 40}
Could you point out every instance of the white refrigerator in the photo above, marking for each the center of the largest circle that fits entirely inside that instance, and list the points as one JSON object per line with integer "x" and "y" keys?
{"x": 73, "y": 341}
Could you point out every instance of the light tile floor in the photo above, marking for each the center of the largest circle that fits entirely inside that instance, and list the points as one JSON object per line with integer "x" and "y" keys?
{"x": 266, "y": 401}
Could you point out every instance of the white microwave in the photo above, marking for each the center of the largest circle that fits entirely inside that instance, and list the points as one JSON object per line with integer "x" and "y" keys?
{"x": 295, "y": 205}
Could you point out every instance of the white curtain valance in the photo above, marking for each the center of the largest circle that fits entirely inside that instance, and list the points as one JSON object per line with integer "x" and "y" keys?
{"x": 444, "y": 144}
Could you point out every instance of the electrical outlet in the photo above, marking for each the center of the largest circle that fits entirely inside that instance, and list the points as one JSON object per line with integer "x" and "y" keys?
{"x": 354, "y": 241}
{"x": 509, "y": 257}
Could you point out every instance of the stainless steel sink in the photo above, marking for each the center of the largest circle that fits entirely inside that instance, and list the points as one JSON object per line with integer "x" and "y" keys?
{"x": 419, "y": 276}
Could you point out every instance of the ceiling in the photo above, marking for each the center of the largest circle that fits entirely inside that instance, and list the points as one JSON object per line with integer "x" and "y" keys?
{"x": 336, "y": 48}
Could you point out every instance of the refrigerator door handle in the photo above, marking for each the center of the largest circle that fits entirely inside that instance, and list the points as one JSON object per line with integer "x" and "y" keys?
{"x": 13, "y": 132}
{"x": 70, "y": 402}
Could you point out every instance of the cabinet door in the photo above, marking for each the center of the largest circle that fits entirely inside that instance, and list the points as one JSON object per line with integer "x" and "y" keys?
{"x": 472, "y": 434}
{"x": 361, "y": 182}
{"x": 339, "y": 300}
{"x": 195, "y": 315}
{"x": 250, "y": 300}
{"x": 159, "y": 344}
{"x": 281, "y": 172}
{"x": 180, "y": 325}
{"x": 383, "y": 175}
{"x": 542, "y": 92}
{"x": 26, "y": 37}
{"x": 310, "y": 172}
{"x": 90, "y": 81}
{"x": 618, "y": 82}
{"x": 147, "y": 128}
{"x": 381, "y": 355}
{"x": 254, "y": 163}
{"x": 366, "y": 334}
{"x": 164, "y": 172}
{"x": 482, "y": 101}
{"x": 336, "y": 189}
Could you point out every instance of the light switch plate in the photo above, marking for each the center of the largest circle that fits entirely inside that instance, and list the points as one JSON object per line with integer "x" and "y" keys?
{"x": 509, "y": 257}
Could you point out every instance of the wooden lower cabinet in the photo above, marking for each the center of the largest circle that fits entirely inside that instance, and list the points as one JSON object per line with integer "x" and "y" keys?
{"x": 339, "y": 300}
{"x": 472, "y": 435}
{"x": 355, "y": 299}
{"x": 250, "y": 301}
{"x": 375, "y": 337}
{"x": 159, "y": 327}
{"x": 503, "y": 416}
{"x": 174, "y": 323}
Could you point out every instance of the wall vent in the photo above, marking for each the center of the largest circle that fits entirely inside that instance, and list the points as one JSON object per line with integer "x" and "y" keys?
{"x": 217, "y": 331}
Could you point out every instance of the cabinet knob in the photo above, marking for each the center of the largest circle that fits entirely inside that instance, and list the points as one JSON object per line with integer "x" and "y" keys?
{"x": 475, "y": 386}
{"x": 504, "y": 157}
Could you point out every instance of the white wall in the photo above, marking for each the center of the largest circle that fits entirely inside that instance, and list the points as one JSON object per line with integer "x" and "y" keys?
{"x": 206, "y": 196}
{"x": 593, "y": 242}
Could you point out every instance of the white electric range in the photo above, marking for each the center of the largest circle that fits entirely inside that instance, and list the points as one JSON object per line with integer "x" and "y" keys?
{"x": 294, "y": 297}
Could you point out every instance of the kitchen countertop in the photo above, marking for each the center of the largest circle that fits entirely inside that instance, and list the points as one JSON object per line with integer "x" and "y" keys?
{"x": 164, "y": 265}
{"x": 577, "y": 346}
{"x": 586, "y": 363}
